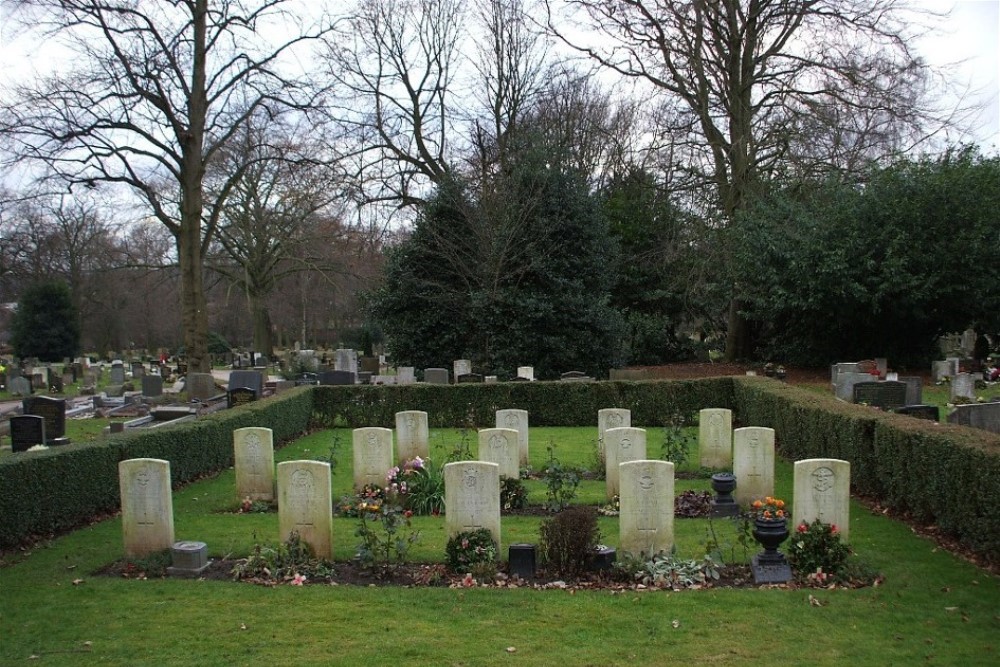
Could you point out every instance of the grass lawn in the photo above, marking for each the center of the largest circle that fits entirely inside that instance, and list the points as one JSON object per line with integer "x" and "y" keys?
{"x": 933, "y": 608}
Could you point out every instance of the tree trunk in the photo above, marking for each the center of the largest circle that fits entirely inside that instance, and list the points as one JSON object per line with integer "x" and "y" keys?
{"x": 262, "y": 341}
{"x": 194, "y": 308}
{"x": 738, "y": 343}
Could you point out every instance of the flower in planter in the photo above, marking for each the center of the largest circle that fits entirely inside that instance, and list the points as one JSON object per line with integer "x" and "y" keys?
{"x": 769, "y": 509}
{"x": 298, "y": 579}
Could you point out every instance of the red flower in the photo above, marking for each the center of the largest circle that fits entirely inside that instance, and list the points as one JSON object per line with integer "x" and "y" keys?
{"x": 802, "y": 528}
{"x": 833, "y": 529}
{"x": 407, "y": 514}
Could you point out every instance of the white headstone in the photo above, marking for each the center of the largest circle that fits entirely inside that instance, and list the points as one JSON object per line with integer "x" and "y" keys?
{"x": 405, "y": 375}
{"x": 253, "y": 449}
{"x": 346, "y": 360}
{"x": 461, "y": 367}
{"x": 500, "y": 446}
{"x": 472, "y": 497}
{"x": 822, "y": 491}
{"x": 715, "y": 438}
{"x": 526, "y": 372}
{"x": 621, "y": 445}
{"x": 753, "y": 464}
{"x": 845, "y": 384}
{"x": 412, "y": 435}
{"x": 963, "y": 385}
{"x": 646, "y": 507}
{"x": 372, "y": 455}
{"x": 305, "y": 504}
{"x": 611, "y": 418}
{"x": 940, "y": 370}
{"x": 147, "y": 506}
{"x": 517, "y": 420}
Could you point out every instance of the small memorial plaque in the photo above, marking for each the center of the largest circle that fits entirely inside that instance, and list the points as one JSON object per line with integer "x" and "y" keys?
{"x": 241, "y": 396}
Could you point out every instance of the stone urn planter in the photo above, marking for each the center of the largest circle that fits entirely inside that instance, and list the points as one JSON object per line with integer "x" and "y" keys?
{"x": 770, "y": 566}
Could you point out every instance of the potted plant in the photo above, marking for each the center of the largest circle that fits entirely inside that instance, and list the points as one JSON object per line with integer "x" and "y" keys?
{"x": 770, "y": 527}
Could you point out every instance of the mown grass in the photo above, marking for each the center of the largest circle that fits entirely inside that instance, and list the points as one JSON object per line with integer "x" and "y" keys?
{"x": 932, "y": 608}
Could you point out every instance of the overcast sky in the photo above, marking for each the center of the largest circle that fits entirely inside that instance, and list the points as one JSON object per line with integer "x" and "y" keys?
{"x": 968, "y": 40}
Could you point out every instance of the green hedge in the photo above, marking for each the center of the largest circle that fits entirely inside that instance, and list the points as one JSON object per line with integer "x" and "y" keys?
{"x": 548, "y": 403}
{"x": 936, "y": 473}
{"x": 60, "y": 488}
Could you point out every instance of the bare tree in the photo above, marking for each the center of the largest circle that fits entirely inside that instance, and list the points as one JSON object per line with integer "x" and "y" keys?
{"x": 746, "y": 78}
{"x": 281, "y": 217}
{"x": 155, "y": 91}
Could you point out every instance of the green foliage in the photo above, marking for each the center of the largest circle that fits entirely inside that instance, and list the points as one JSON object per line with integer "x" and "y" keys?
{"x": 46, "y": 324}
{"x": 289, "y": 561}
{"x": 816, "y": 549}
{"x": 675, "y": 442}
{"x": 386, "y": 536}
{"x": 513, "y": 269}
{"x": 217, "y": 344}
{"x": 470, "y": 549}
{"x": 569, "y": 539}
{"x": 513, "y": 494}
{"x": 419, "y": 484}
{"x": 666, "y": 570}
{"x": 842, "y": 270}
{"x": 561, "y": 482}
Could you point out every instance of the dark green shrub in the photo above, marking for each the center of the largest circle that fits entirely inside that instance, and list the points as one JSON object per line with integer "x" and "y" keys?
{"x": 569, "y": 539}
{"x": 471, "y": 550}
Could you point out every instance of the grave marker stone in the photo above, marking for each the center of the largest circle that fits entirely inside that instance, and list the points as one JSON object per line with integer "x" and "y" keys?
{"x": 928, "y": 412}
{"x": 822, "y": 490}
{"x": 436, "y": 376}
{"x": 117, "y": 374}
{"x": 715, "y": 438}
{"x": 472, "y": 497}
{"x": 753, "y": 464}
{"x": 914, "y": 389}
{"x": 26, "y": 431}
{"x": 517, "y": 420}
{"x": 336, "y": 378}
{"x": 845, "y": 384}
{"x": 152, "y": 386}
{"x": 147, "y": 506}
{"x": 526, "y": 372}
{"x": 372, "y": 455}
{"x": 346, "y": 360}
{"x": 412, "y": 435}
{"x": 882, "y": 395}
{"x": 461, "y": 367}
{"x": 985, "y": 416}
{"x": 405, "y": 375}
{"x": 253, "y": 452}
{"x": 20, "y": 386}
{"x": 963, "y": 385}
{"x": 575, "y": 376}
{"x": 138, "y": 370}
{"x": 54, "y": 412}
{"x": 305, "y": 502}
{"x": 368, "y": 365}
{"x": 940, "y": 370}
{"x": 253, "y": 380}
{"x": 468, "y": 378}
{"x": 240, "y": 396}
{"x": 500, "y": 446}
{"x": 646, "y": 507}
{"x": 200, "y": 386}
{"x": 621, "y": 445}
{"x": 611, "y": 418}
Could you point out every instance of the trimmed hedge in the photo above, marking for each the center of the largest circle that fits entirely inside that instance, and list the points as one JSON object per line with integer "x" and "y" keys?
{"x": 61, "y": 488}
{"x": 937, "y": 473}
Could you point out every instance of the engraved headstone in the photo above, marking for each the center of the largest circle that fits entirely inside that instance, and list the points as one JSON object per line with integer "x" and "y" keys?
{"x": 940, "y": 370}
{"x": 646, "y": 507}
{"x": 253, "y": 452}
{"x": 822, "y": 490}
{"x": 240, "y": 396}
{"x": 253, "y": 380}
{"x": 405, "y": 375}
{"x": 436, "y": 376}
{"x": 20, "y": 386}
{"x": 985, "y": 416}
{"x": 963, "y": 385}
{"x": 117, "y": 374}
{"x": 914, "y": 389}
{"x": 461, "y": 367}
{"x": 621, "y": 445}
{"x": 368, "y": 365}
{"x": 611, "y": 418}
{"x": 372, "y": 455}
{"x": 346, "y": 360}
{"x": 200, "y": 386}
{"x": 305, "y": 502}
{"x": 147, "y": 506}
{"x": 526, "y": 372}
{"x": 472, "y": 497}
{"x": 52, "y": 409}
{"x": 882, "y": 395}
{"x": 753, "y": 464}
{"x": 412, "y": 435}
{"x": 26, "y": 431}
{"x": 715, "y": 438}
{"x": 152, "y": 386}
{"x": 845, "y": 384}
{"x": 517, "y": 420}
{"x": 468, "y": 378}
{"x": 500, "y": 446}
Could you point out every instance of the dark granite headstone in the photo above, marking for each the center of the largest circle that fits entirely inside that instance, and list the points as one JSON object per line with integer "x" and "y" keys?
{"x": 985, "y": 416}
{"x": 252, "y": 379}
{"x": 152, "y": 386}
{"x": 929, "y": 412}
{"x": 337, "y": 377}
{"x": 55, "y": 383}
{"x": 52, "y": 409}
{"x": 436, "y": 376}
{"x": 882, "y": 395}
{"x": 368, "y": 365}
{"x": 117, "y": 374}
{"x": 26, "y": 431}
{"x": 20, "y": 386}
{"x": 364, "y": 377}
{"x": 241, "y": 396}
{"x": 469, "y": 378}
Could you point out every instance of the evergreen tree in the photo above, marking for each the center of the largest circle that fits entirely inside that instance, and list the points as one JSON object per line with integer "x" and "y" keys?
{"x": 46, "y": 324}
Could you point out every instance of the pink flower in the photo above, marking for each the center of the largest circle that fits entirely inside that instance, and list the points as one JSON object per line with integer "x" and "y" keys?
{"x": 408, "y": 514}
{"x": 468, "y": 581}
{"x": 802, "y": 528}
{"x": 298, "y": 579}
{"x": 417, "y": 462}
{"x": 833, "y": 529}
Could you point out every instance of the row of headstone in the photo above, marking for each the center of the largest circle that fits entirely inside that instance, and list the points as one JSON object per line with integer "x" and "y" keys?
{"x": 945, "y": 369}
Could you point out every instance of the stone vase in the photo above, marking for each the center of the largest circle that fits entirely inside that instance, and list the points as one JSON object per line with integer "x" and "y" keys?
{"x": 770, "y": 533}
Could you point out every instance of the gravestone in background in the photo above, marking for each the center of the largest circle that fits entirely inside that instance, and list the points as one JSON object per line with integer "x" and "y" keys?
{"x": 985, "y": 416}
{"x": 526, "y": 372}
{"x": 928, "y": 412}
{"x": 461, "y": 367}
{"x": 611, "y": 418}
{"x": 575, "y": 376}
{"x": 54, "y": 412}
{"x": 372, "y": 448}
{"x": 822, "y": 490}
{"x": 621, "y": 445}
{"x": 472, "y": 497}
{"x": 147, "y": 506}
{"x": 253, "y": 380}
{"x": 405, "y": 375}
{"x": 337, "y": 378}
{"x": 305, "y": 502}
{"x": 240, "y": 396}
{"x": 500, "y": 446}
{"x": 914, "y": 389}
{"x": 940, "y": 370}
{"x": 753, "y": 464}
{"x": 55, "y": 383}
{"x": 368, "y": 365}
{"x": 882, "y": 395}
{"x": 253, "y": 451}
{"x": 963, "y": 385}
{"x": 468, "y": 378}
{"x": 152, "y": 386}
{"x": 845, "y": 384}
{"x": 715, "y": 438}
{"x": 412, "y": 436}
{"x": 646, "y": 507}
{"x": 517, "y": 420}
{"x": 346, "y": 360}
{"x": 20, "y": 386}
{"x": 436, "y": 376}
{"x": 26, "y": 431}
{"x": 200, "y": 386}
{"x": 117, "y": 374}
